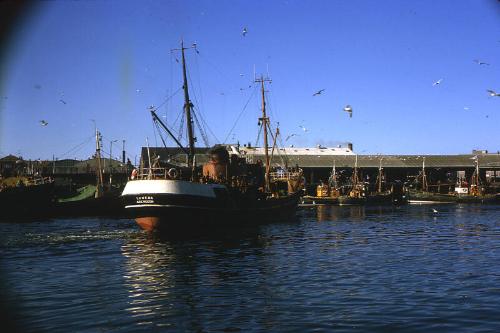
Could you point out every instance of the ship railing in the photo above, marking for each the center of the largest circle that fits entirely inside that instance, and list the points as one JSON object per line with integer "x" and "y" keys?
{"x": 39, "y": 181}
{"x": 285, "y": 175}
{"x": 152, "y": 173}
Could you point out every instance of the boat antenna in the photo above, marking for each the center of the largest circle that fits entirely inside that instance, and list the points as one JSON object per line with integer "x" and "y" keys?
{"x": 264, "y": 122}
{"x": 187, "y": 106}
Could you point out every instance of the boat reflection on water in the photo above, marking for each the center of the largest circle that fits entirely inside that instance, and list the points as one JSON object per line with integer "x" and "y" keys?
{"x": 170, "y": 281}
{"x": 335, "y": 213}
{"x": 351, "y": 213}
{"x": 148, "y": 277}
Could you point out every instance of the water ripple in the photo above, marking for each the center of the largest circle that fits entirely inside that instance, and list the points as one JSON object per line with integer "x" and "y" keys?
{"x": 334, "y": 268}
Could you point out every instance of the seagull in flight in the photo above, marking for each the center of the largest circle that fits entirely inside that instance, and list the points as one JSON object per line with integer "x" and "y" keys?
{"x": 493, "y": 93}
{"x": 244, "y": 32}
{"x": 62, "y": 101}
{"x": 318, "y": 92}
{"x": 290, "y": 136}
{"x": 303, "y": 128}
{"x": 434, "y": 210}
{"x": 348, "y": 109}
{"x": 437, "y": 82}
{"x": 479, "y": 62}
{"x": 43, "y": 123}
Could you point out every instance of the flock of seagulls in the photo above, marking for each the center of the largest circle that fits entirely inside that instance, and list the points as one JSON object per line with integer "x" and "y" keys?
{"x": 347, "y": 108}
{"x": 492, "y": 93}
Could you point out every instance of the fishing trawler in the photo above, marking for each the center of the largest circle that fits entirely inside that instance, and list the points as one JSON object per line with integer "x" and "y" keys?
{"x": 225, "y": 191}
{"x": 326, "y": 193}
{"x": 464, "y": 192}
{"x": 26, "y": 197}
{"x": 357, "y": 192}
{"x": 424, "y": 196}
{"x": 395, "y": 194}
{"x": 95, "y": 199}
{"x": 475, "y": 193}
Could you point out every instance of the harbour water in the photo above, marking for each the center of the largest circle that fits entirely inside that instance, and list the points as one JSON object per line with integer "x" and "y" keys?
{"x": 347, "y": 269}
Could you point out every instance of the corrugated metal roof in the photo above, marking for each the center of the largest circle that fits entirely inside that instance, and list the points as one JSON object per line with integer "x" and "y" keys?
{"x": 396, "y": 161}
{"x": 491, "y": 161}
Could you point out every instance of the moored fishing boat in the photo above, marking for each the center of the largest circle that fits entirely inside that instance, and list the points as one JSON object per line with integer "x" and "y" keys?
{"x": 92, "y": 199}
{"x": 326, "y": 194}
{"x": 476, "y": 192}
{"x": 395, "y": 194}
{"x": 357, "y": 192}
{"x": 225, "y": 191}
{"x": 26, "y": 197}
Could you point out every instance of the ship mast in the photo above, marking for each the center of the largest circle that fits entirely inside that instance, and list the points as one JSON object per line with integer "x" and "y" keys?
{"x": 379, "y": 180}
{"x": 475, "y": 177}
{"x": 100, "y": 180}
{"x": 264, "y": 121}
{"x": 333, "y": 177}
{"x": 424, "y": 177}
{"x": 187, "y": 106}
{"x": 355, "y": 175}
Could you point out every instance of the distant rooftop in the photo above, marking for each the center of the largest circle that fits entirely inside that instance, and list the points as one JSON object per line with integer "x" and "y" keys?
{"x": 324, "y": 151}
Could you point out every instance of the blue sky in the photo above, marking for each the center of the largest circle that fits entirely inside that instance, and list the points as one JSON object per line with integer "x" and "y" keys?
{"x": 110, "y": 60}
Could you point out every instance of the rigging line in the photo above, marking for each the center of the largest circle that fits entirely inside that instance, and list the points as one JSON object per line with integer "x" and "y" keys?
{"x": 170, "y": 85}
{"x": 202, "y": 129}
{"x": 154, "y": 133}
{"x": 209, "y": 129}
{"x": 165, "y": 101}
{"x": 161, "y": 136}
{"x": 241, "y": 113}
{"x": 272, "y": 105}
{"x": 181, "y": 128}
{"x": 199, "y": 79}
{"x": 258, "y": 136}
{"x": 195, "y": 99}
{"x": 78, "y": 145}
{"x": 214, "y": 66}
{"x": 179, "y": 115}
{"x": 271, "y": 131}
{"x": 203, "y": 134}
